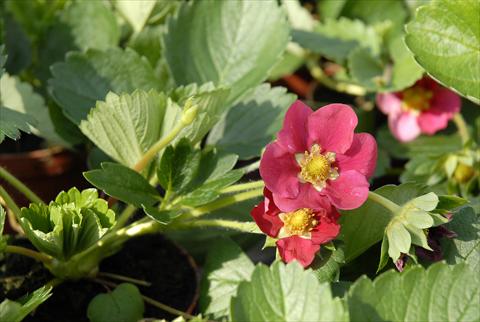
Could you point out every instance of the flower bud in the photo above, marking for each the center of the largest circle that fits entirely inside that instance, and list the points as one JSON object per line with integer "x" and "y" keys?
{"x": 189, "y": 115}
{"x": 463, "y": 173}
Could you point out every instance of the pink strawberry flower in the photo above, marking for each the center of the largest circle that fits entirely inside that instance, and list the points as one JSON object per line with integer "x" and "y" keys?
{"x": 426, "y": 107}
{"x": 300, "y": 232}
{"x": 317, "y": 159}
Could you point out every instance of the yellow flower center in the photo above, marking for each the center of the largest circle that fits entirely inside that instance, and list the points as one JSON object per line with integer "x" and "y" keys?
{"x": 299, "y": 222}
{"x": 416, "y": 99}
{"x": 316, "y": 168}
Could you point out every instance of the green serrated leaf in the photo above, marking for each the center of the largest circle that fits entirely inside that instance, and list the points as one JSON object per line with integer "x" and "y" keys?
{"x": 87, "y": 77}
{"x": 123, "y": 183}
{"x": 250, "y": 124}
{"x": 445, "y": 39}
{"x": 20, "y": 97}
{"x": 222, "y": 52}
{"x": 126, "y": 126}
{"x": 330, "y": 47}
{"x": 440, "y": 293}
{"x": 123, "y": 304}
{"x": 465, "y": 248}
{"x": 12, "y": 122}
{"x": 16, "y": 311}
{"x": 91, "y": 25}
{"x": 225, "y": 268}
{"x": 274, "y": 294}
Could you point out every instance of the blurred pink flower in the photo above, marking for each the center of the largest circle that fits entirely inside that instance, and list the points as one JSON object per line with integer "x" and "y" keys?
{"x": 301, "y": 232}
{"x": 317, "y": 159}
{"x": 426, "y": 107}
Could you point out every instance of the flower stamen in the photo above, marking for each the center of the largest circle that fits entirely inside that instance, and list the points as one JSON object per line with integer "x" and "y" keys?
{"x": 299, "y": 222}
{"x": 317, "y": 168}
{"x": 416, "y": 99}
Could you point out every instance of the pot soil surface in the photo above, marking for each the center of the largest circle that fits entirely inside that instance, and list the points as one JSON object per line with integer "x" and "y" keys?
{"x": 152, "y": 258}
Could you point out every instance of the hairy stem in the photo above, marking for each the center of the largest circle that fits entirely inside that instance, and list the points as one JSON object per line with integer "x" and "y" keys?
{"x": 226, "y": 201}
{"x": 124, "y": 278}
{"x": 244, "y": 186}
{"x": 246, "y": 227}
{"x": 125, "y": 216}
{"x": 386, "y": 203}
{"x": 318, "y": 74}
{"x": 462, "y": 127}
{"x": 10, "y": 202}
{"x": 17, "y": 184}
{"x": 29, "y": 253}
{"x": 188, "y": 116}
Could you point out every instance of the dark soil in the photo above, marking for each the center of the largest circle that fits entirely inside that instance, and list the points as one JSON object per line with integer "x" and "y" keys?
{"x": 150, "y": 258}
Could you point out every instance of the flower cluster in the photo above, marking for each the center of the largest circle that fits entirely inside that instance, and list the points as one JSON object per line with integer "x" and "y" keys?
{"x": 316, "y": 165}
{"x": 426, "y": 107}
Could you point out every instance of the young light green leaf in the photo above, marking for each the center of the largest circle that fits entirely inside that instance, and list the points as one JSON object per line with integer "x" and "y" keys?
{"x": 365, "y": 226}
{"x": 68, "y": 225}
{"x": 225, "y": 268}
{"x": 445, "y": 39}
{"x": 126, "y": 126}
{"x": 16, "y": 311}
{"x": 285, "y": 293}
{"x": 250, "y": 124}
{"x": 135, "y": 12}
{"x": 123, "y": 183}
{"x": 399, "y": 239}
{"x": 427, "y": 202}
{"x": 123, "y": 304}
{"x": 222, "y": 52}
{"x": 91, "y": 24}
{"x": 87, "y": 77}
{"x": 440, "y": 293}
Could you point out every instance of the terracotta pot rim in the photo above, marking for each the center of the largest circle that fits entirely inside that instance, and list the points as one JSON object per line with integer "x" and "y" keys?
{"x": 35, "y": 154}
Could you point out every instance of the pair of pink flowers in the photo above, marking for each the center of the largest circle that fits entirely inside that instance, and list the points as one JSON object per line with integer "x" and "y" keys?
{"x": 317, "y": 164}
{"x": 426, "y": 107}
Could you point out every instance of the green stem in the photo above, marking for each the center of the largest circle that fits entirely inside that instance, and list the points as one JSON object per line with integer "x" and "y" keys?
{"x": 244, "y": 186}
{"x": 248, "y": 227}
{"x": 10, "y": 202}
{"x": 125, "y": 216}
{"x": 251, "y": 167}
{"x": 386, "y": 203}
{"x": 188, "y": 116}
{"x": 17, "y": 184}
{"x": 226, "y": 201}
{"x": 29, "y": 253}
{"x": 462, "y": 127}
{"x": 343, "y": 87}
{"x": 124, "y": 278}
{"x": 167, "y": 308}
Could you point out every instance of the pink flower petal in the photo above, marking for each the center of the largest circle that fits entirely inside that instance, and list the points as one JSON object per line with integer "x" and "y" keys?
{"x": 297, "y": 248}
{"x": 269, "y": 223}
{"x": 293, "y": 136}
{"x": 444, "y": 105}
{"x": 279, "y": 170}
{"x": 404, "y": 126}
{"x": 327, "y": 229}
{"x": 389, "y": 103}
{"x": 332, "y": 127}
{"x": 348, "y": 191}
{"x": 307, "y": 197}
{"x": 362, "y": 155}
